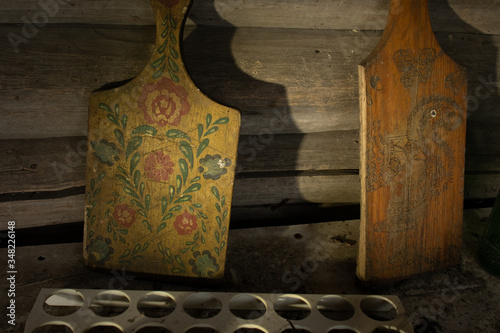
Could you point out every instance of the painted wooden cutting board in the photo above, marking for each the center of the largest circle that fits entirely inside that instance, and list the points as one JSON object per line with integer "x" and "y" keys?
{"x": 413, "y": 117}
{"x": 160, "y": 167}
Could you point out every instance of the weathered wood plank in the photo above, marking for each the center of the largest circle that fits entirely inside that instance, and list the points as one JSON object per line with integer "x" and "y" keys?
{"x": 324, "y": 14}
{"x": 56, "y": 164}
{"x": 39, "y": 213}
{"x": 282, "y": 80}
{"x": 261, "y": 198}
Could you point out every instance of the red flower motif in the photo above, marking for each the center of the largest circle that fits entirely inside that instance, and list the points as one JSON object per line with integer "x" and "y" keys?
{"x": 169, "y": 3}
{"x": 185, "y": 223}
{"x": 158, "y": 166}
{"x": 124, "y": 215}
{"x": 163, "y": 102}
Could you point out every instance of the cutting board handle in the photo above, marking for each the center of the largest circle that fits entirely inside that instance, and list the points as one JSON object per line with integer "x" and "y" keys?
{"x": 166, "y": 60}
{"x": 408, "y": 19}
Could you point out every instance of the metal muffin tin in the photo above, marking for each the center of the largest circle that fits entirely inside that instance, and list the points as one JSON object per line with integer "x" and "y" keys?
{"x": 89, "y": 310}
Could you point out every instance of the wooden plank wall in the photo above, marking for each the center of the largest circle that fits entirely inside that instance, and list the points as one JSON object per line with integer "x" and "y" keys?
{"x": 289, "y": 66}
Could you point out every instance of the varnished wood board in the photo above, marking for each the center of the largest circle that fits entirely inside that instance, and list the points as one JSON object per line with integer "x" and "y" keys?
{"x": 413, "y": 119}
{"x": 160, "y": 168}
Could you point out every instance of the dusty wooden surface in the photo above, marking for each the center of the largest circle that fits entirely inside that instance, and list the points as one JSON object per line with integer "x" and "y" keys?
{"x": 413, "y": 120}
{"x": 317, "y": 258}
{"x": 294, "y": 78}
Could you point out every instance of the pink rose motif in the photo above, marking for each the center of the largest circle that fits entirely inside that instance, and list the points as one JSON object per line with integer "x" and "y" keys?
{"x": 169, "y": 3}
{"x": 163, "y": 102}
{"x": 124, "y": 215}
{"x": 158, "y": 166}
{"x": 185, "y": 223}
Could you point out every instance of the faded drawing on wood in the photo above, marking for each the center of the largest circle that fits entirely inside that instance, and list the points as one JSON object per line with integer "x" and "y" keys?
{"x": 413, "y": 117}
{"x": 160, "y": 168}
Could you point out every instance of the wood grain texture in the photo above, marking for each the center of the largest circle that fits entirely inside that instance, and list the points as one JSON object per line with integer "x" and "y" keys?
{"x": 160, "y": 167}
{"x": 290, "y": 80}
{"x": 323, "y": 14}
{"x": 413, "y": 118}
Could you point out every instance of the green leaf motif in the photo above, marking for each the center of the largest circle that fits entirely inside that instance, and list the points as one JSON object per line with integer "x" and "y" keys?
{"x": 217, "y": 236}
{"x": 159, "y": 72}
{"x": 123, "y": 231}
{"x": 131, "y": 192}
{"x": 203, "y": 226}
{"x": 161, "y": 227}
{"x": 137, "y": 178}
{"x": 101, "y": 176}
{"x": 178, "y": 181}
{"x": 142, "y": 187}
{"x": 174, "y": 53}
{"x": 222, "y": 121}
{"x": 145, "y": 129}
{"x": 105, "y": 107}
{"x": 193, "y": 188}
{"x": 223, "y": 201}
{"x": 222, "y": 244}
{"x": 186, "y": 149}
{"x": 163, "y": 46}
{"x": 158, "y": 62}
{"x": 166, "y": 217}
{"x": 184, "y": 169}
{"x": 174, "y": 77}
{"x": 195, "y": 179}
{"x": 164, "y": 204}
{"x": 219, "y": 221}
{"x": 171, "y": 192}
{"x": 147, "y": 201}
{"x": 133, "y": 145}
{"x": 137, "y": 203}
{"x": 122, "y": 170}
{"x": 125, "y": 254}
{"x": 173, "y": 66}
{"x": 216, "y": 250}
{"x": 183, "y": 199}
{"x": 203, "y": 239}
{"x": 164, "y": 34}
{"x": 123, "y": 179}
{"x": 136, "y": 249}
{"x": 203, "y": 215}
{"x": 179, "y": 260}
{"x": 124, "y": 121}
{"x": 145, "y": 246}
{"x": 146, "y": 223}
{"x": 175, "y": 208}
{"x": 142, "y": 212}
{"x": 217, "y": 206}
{"x": 200, "y": 131}
{"x": 177, "y": 270}
{"x": 204, "y": 144}
{"x": 113, "y": 119}
{"x": 173, "y": 23}
{"x": 224, "y": 231}
{"x": 212, "y": 130}
{"x": 134, "y": 161}
{"x": 209, "y": 119}
{"x": 215, "y": 192}
{"x": 176, "y": 134}
{"x": 173, "y": 39}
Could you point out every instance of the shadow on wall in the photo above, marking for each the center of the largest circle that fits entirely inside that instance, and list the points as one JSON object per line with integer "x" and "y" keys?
{"x": 264, "y": 106}
{"x": 476, "y": 51}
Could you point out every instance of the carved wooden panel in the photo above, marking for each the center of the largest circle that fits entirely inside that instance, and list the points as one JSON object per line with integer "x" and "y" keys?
{"x": 413, "y": 117}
